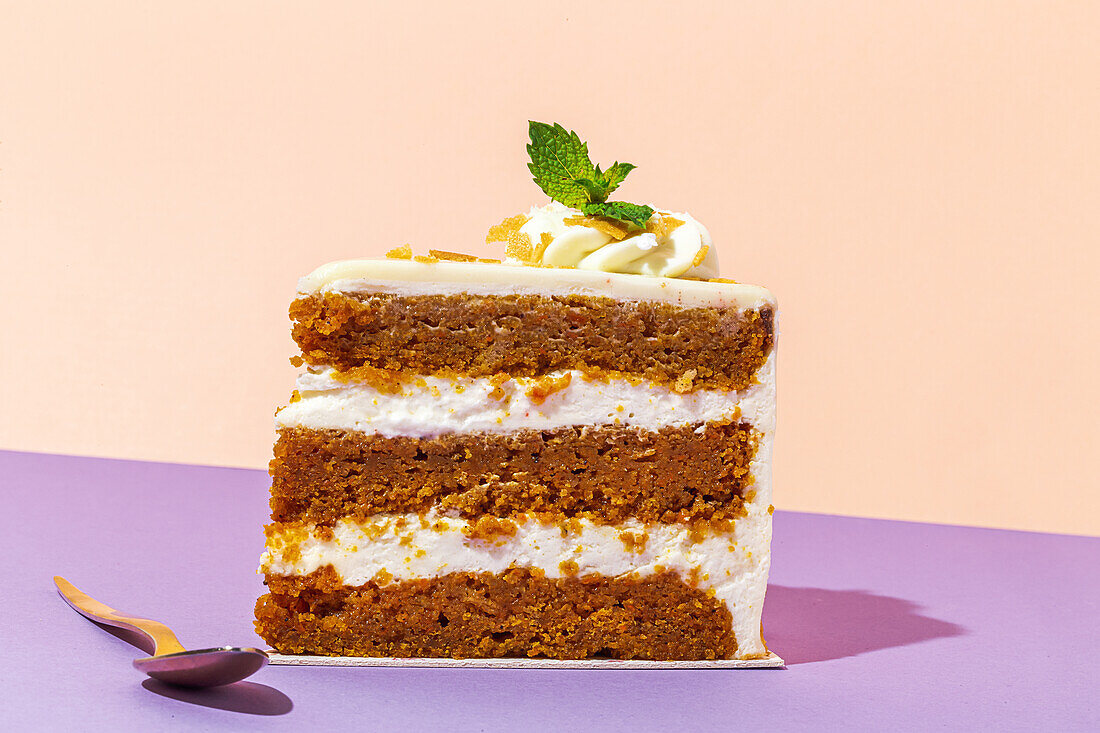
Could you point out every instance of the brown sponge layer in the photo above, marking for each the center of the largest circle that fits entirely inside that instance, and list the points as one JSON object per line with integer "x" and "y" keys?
{"x": 518, "y": 613}
{"x": 529, "y": 335}
{"x": 697, "y": 472}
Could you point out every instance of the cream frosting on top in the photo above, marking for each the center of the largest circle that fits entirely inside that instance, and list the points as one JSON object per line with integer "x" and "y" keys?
{"x": 672, "y": 245}
{"x": 557, "y": 251}
{"x": 409, "y": 277}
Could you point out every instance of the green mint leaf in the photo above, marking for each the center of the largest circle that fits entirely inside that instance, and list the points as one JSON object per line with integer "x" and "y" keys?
{"x": 558, "y": 160}
{"x": 597, "y": 189}
{"x": 635, "y": 214}
{"x": 615, "y": 175}
{"x": 562, "y": 169}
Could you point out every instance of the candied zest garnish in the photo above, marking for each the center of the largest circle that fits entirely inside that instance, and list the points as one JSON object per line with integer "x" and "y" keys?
{"x": 517, "y": 245}
{"x": 661, "y": 225}
{"x": 442, "y": 254}
{"x": 670, "y": 223}
{"x": 545, "y": 239}
{"x": 404, "y": 252}
{"x": 700, "y": 255}
{"x": 618, "y": 230}
{"x": 488, "y": 261}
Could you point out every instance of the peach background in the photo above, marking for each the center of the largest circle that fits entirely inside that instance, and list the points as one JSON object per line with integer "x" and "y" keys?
{"x": 918, "y": 182}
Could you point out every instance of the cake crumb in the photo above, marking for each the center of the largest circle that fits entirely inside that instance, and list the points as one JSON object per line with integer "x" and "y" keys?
{"x": 569, "y": 568}
{"x": 404, "y": 252}
{"x": 634, "y": 542}
{"x": 683, "y": 383}
{"x": 693, "y": 576}
{"x": 546, "y": 386}
{"x": 490, "y": 529}
{"x": 383, "y": 380}
{"x": 497, "y": 380}
{"x": 425, "y": 259}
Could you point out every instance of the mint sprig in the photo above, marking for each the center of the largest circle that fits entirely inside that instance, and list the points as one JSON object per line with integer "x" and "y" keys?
{"x": 562, "y": 169}
{"x": 635, "y": 214}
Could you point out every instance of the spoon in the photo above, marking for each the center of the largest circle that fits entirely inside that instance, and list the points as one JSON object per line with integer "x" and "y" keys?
{"x": 170, "y": 662}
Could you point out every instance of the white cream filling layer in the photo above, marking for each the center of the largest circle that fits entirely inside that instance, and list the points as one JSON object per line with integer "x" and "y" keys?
{"x": 732, "y": 565}
{"x": 409, "y": 277}
{"x": 430, "y": 406}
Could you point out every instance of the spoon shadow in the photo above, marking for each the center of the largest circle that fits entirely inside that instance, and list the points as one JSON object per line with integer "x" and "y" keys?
{"x": 250, "y": 698}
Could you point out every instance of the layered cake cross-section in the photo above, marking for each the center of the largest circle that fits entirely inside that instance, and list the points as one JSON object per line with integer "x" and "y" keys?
{"x": 564, "y": 455}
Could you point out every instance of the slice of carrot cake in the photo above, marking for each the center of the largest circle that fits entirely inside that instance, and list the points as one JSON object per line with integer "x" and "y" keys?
{"x": 564, "y": 455}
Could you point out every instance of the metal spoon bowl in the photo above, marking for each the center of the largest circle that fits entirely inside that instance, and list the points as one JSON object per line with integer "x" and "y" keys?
{"x": 170, "y": 663}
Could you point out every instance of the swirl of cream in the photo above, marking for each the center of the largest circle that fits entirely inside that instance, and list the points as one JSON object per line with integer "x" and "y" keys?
{"x": 671, "y": 245}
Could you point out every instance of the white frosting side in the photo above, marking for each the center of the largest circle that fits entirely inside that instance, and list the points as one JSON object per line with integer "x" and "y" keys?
{"x": 686, "y": 251}
{"x": 409, "y": 277}
{"x": 431, "y": 406}
{"x": 734, "y": 565}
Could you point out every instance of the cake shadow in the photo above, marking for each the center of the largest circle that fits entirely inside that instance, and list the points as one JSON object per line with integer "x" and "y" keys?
{"x": 250, "y": 698}
{"x": 818, "y": 624}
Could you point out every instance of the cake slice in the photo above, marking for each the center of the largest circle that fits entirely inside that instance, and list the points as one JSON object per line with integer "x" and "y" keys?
{"x": 566, "y": 455}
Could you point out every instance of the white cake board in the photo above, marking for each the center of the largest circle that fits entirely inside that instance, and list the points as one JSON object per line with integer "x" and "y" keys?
{"x": 771, "y": 661}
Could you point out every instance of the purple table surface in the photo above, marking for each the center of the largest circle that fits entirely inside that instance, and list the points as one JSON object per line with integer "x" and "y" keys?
{"x": 884, "y": 625}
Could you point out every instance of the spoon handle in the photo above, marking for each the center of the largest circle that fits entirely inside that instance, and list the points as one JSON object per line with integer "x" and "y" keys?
{"x": 163, "y": 639}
